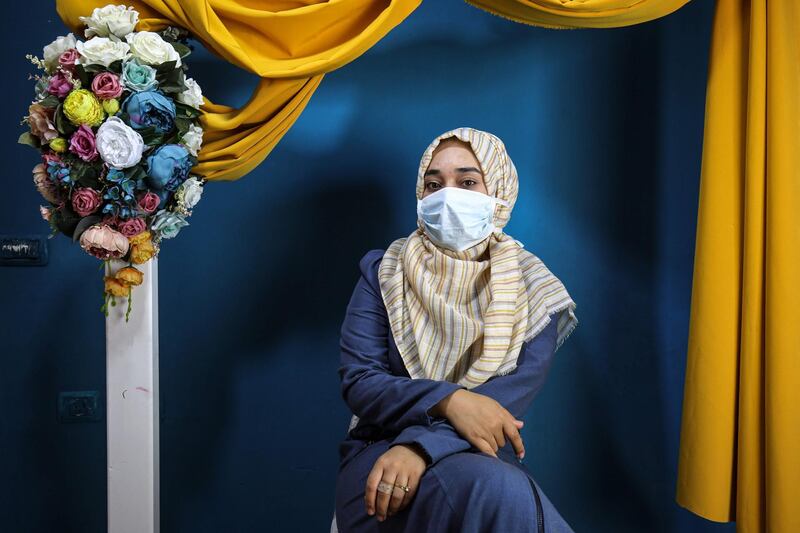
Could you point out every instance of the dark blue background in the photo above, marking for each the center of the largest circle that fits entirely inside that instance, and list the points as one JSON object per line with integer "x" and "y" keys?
{"x": 605, "y": 128}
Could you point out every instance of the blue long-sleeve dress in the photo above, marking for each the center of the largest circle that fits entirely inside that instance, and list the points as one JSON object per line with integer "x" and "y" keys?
{"x": 463, "y": 489}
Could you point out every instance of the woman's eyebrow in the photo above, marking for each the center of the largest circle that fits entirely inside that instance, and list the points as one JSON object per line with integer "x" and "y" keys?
{"x": 436, "y": 171}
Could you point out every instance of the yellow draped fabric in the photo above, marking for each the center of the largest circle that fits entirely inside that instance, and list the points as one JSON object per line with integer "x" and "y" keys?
{"x": 740, "y": 439}
{"x": 289, "y": 44}
{"x": 565, "y": 14}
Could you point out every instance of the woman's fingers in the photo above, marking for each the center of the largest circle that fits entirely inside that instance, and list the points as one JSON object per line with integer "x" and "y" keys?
{"x": 484, "y": 446}
{"x": 512, "y": 432}
{"x": 371, "y": 490}
{"x": 398, "y": 494}
{"x": 382, "y": 501}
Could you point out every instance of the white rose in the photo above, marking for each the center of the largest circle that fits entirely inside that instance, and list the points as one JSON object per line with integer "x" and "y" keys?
{"x": 117, "y": 21}
{"x": 102, "y": 51}
{"x": 190, "y": 192}
{"x": 119, "y": 145}
{"x": 53, "y": 50}
{"x": 149, "y": 48}
{"x": 193, "y": 139}
{"x": 192, "y": 96}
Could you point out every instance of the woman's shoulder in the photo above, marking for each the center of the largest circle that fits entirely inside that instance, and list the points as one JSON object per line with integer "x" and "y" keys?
{"x": 370, "y": 261}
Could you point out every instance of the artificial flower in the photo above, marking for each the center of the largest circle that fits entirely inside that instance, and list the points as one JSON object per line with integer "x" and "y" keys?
{"x": 59, "y": 145}
{"x": 189, "y": 193}
{"x": 118, "y": 144}
{"x": 132, "y": 226}
{"x": 103, "y": 242}
{"x": 45, "y": 185}
{"x": 54, "y": 50}
{"x": 148, "y": 202}
{"x": 167, "y": 167}
{"x": 150, "y": 49}
{"x": 85, "y": 201}
{"x": 59, "y": 85}
{"x": 106, "y": 86}
{"x": 168, "y": 224}
{"x": 83, "y": 107}
{"x": 137, "y": 77}
{"x": 102, "y": 51}
{"x": 83, "y": 143}
{"x": 193, "y": 139}
{"x": 130, "y": 275}
{"x": 116, "y": 287}
{"x": 40, "y": 119}
{"x": 150, "y": 109}
{"x": 192, "y": 95}
{"x": 111, "y": 20}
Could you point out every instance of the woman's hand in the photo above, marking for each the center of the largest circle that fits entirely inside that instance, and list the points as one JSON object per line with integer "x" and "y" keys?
{"x": 401, "y": 464}
{"x": 482, "y": 421}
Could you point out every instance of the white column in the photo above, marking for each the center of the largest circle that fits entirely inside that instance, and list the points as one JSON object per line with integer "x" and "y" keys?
{"x": 132, "y": 407}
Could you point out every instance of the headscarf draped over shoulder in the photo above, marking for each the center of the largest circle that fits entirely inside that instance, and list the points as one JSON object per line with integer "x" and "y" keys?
{"x": 463, "y": 316}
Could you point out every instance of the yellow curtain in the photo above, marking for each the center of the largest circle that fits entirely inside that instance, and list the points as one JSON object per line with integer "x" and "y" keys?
{"x": 567, "y": 14}
{"x": 740, "y": 438}
{"x": 289, "y": 44}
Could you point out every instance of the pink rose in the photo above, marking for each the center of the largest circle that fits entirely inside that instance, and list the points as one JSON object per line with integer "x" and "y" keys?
{"x": 106, "y": 86}
{"x": 45, "y": 186}
{"x": 85, "y": 201}
{"x": 68, "y": 58}
{"x": 82, "y": 143}
{"x": 149, "y": 202}
{"x": 40, "y": 119}
{"x": 132, "y": 226}
{"x": 111, "y": 220}
{"x": 59, "y": 85}
{"x": 103, "y": 242}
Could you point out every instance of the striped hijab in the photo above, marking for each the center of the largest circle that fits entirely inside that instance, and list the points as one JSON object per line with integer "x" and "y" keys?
{"x": 463, "y": 316}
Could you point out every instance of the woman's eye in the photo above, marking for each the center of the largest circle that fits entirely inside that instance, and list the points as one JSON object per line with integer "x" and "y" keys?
{"x": 470, "y": 183}
{"x": 432, "y": 185}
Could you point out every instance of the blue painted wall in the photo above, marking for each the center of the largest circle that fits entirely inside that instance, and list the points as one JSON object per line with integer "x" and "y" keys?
{"x": 605, "y": 128}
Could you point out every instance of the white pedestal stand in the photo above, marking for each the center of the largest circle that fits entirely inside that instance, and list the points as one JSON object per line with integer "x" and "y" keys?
{"x": 132, "y": 413}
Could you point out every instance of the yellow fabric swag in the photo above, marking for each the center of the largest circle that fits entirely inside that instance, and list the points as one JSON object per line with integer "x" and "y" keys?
{"x": 289, "y": 44}
{"x": 740, "y": 437}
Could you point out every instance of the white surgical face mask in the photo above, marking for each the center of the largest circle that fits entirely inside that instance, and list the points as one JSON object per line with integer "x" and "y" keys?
{"x": 457, "y": 218}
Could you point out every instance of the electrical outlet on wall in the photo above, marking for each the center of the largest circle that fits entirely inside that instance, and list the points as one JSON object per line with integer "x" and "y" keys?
{"x": 78, "y": 406}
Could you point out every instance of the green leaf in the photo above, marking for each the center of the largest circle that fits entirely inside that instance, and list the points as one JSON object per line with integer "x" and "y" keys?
{"x": 183, "y": 110}
{"x": 66, "y": 220}
{"x": 166, "y": 67}
{"x": 86, "y": 174}
{"x": 83, "y": 224}
{"x": 80, "y": 72}
{"x": 30, "y": 139}
{"x": 64, "y": 126}
{"x": 116, "y": 66}
{"x": 182, "y": 49}
{"x": 49, "y": 101}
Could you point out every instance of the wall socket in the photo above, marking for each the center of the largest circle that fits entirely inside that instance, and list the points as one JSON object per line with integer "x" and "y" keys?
{"x": 79, "y": 406}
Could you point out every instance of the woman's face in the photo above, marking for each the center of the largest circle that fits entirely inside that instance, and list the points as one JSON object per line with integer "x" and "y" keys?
{"x": 453, "y": 165}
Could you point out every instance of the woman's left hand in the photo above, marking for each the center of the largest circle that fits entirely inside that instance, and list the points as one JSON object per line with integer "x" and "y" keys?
{"x": 401, "y": 464}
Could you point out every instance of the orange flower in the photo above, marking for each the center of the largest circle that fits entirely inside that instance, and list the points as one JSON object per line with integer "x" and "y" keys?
{"x": 139, "y": 237}
{"x": 116, "y": 287}
{"x": 142, "y": 252}
{"x": 130, "y": 275}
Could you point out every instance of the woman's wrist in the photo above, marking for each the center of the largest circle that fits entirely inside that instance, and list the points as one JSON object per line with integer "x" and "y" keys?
{"x": 442, "y": 408}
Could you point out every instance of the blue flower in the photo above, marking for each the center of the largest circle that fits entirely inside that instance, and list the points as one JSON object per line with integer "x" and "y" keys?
{"x": 150, "y": 109}
{"x": 138, "y": 77}
{"x": 168, "y": 224}
{"x": 168, "y": 166}
{"x": 120, "y": 196}
{"x": 59, "y": 173}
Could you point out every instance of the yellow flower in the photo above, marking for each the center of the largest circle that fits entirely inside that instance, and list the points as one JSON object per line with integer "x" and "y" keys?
{"x": 111, "y": 106}
{"x": 116, "y": 287}
{"x": 130, "y": 275}
{"x": 139, "y": 237}
{"x": 83, "y": 107}
{"x": 141, "y": 253}
{"x": 59, "y": 144}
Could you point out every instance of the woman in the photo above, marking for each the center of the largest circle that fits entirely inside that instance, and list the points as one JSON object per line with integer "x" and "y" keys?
{"x": 447, "y": 338}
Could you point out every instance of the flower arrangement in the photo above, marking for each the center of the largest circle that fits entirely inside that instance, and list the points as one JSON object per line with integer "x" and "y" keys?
{"x": 116, "y": 122}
